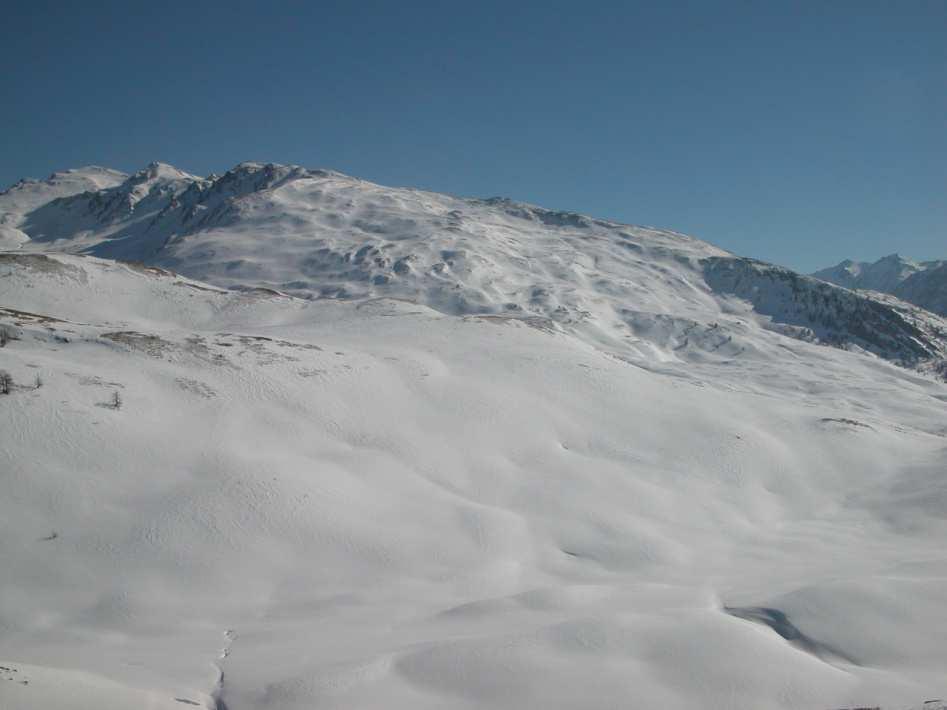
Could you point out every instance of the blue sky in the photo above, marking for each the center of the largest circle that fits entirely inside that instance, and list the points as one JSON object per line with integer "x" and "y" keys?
{"x": 800, "y": 133}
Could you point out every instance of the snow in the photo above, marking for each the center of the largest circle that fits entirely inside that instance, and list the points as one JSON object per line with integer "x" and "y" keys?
{"x": 12, "y": 238}
{"x": 642, "y": 293}
{"x": 28, "y": 686}
{"x": 922, "y": 283}
{"x": 927, "y": 288}
{"x": 28, "y": 195}
{"x": 414, "y": 496}
{"x": 883, "y": 275}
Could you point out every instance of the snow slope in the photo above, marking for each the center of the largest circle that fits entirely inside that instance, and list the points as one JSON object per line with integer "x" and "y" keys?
{"x": 646, "y": 294}
{"x": 927, "y": 288}
{"x": 922, "y": 283}
{"x": 370, "y": 503}
{"x": 27, "y": 196}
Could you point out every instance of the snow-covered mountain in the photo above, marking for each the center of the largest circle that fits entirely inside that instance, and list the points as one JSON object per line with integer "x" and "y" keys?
{"x": 927, "y": 288}
{"x": 923, "y": 283}
{"x": 645, "y": 293}
{"x": 29, "y": 195}
{"x": 383, "y": 448}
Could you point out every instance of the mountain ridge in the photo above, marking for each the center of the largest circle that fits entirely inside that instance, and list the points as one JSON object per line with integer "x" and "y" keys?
{"x": 646, "y": 293}
{"x": 923, "y": 283}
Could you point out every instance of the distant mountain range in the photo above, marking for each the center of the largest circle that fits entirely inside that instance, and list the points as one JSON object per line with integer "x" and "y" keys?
{"x": 923, "y": 283}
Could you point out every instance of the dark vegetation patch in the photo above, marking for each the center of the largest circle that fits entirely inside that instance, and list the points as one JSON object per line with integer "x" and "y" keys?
{"x": 848, "y": 422}
{"x": 197, "y": 287}
{"x": 149, "y": 344}
{"x": 196, "y": 387}
{"x": 31, "y": 317}
{"x": 144, "y": 268}
{"x": 93, "y": 381}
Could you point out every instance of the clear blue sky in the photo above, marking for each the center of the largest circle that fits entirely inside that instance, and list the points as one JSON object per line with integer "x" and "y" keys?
{"x": 800, "y": 133}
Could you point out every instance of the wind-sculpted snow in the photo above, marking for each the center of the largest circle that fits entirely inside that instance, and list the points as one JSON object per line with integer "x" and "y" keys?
{"x": 372, "y": 504}
{"x": 640, "y": 293}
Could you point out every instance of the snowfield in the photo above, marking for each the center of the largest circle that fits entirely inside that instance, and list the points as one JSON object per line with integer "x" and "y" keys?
{"x": 382, "y": 456}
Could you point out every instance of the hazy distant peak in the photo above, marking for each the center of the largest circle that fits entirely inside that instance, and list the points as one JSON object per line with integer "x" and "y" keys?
{"x": 922, "y": 283}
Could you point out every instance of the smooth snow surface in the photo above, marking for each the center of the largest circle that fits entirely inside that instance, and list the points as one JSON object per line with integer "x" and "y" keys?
{"x": 376, "y": 505}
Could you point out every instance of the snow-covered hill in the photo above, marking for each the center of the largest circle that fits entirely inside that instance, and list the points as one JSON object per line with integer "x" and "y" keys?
{"x": 643, "y": 293}
{"x": 414, "y": 451}
{"x": 372, "y": 504}
{"x": 29, "y": 195}
{"x": 923, "y": 283}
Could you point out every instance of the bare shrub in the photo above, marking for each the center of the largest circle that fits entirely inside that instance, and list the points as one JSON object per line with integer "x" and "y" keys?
{"x": 7, "y": 334}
